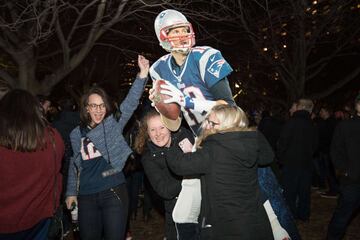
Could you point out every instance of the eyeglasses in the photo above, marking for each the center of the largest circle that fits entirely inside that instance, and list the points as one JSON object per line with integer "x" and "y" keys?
{"x": 211, "y": 123}
{"x": 94, "y": 106}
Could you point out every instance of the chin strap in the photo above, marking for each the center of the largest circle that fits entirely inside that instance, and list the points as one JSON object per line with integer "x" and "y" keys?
{"x": 181, "y": 50}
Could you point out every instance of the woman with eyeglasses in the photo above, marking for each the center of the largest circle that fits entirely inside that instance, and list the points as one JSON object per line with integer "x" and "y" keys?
{"x": 96, "y": 183}
{"x": 227, "y": 156}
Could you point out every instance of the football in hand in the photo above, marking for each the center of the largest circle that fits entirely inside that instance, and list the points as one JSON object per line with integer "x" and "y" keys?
{"x": 169, "y": 110}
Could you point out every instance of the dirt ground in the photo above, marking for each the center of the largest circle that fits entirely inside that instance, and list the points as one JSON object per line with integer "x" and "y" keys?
{"x": 315, "y": 229}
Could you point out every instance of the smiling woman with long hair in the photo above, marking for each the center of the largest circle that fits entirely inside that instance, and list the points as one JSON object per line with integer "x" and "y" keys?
{"x": 96, "y": 182}
{"x": 30, "y": 161}
{"x": 152, "y": 141}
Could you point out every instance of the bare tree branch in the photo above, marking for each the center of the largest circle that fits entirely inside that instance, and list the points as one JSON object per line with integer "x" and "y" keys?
{"x": 297, "y": 39}
{"x": 351, "y": 76}
{"x": 7, "y": 77}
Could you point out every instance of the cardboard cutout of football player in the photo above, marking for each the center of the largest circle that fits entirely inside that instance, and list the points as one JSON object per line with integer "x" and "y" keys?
{"x": 196, "y": 79}
{"x": 197, "y": 74}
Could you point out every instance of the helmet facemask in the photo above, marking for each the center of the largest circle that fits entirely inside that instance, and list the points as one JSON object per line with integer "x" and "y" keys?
{"x": 179, "y": 43}
{"x": 168, "y": 20}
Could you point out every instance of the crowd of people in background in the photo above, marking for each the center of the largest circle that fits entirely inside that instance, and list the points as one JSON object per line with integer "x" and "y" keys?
{"x": 222, "y": 173}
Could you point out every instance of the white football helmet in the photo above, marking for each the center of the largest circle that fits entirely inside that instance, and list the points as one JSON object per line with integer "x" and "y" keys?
{"x": 167, "y": 20}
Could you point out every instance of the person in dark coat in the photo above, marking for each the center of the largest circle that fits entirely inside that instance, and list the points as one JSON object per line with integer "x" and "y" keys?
{"x": 227, "y": 157}
{"x": 152, "y": 141}
{"x": 326, "y": 126}
{"x": 270, "y": 127}
{"x": 296, "y": 147}
{"x": 345, "y": 154}
{"x": 67, "y": 120}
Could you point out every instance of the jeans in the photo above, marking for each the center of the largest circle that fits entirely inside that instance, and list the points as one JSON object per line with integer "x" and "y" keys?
{"x": 271, "y": 190}
{"x": 103, "y": 215}
{"x": 348, "y": 203}
{"x": 38, "y": 232}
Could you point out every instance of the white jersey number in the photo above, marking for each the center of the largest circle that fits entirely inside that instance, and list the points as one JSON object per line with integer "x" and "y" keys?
{"x": 194, "y": 117}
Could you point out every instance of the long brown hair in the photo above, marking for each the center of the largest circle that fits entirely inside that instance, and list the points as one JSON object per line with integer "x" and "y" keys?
{"x": 231, "y": 119}
{"x": 23, "y": 124}
{"x": 142, "y": 136}
{"x": 84, "y": 115}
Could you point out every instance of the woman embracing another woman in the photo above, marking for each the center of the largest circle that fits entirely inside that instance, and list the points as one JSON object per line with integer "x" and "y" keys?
{"x": 227, "y": 157}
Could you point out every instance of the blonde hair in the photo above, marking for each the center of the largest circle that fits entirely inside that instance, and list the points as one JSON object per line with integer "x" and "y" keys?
{"x": 305, "y": 104}
{"x": 231, "y": 119}
{"x": 142, "y": 136}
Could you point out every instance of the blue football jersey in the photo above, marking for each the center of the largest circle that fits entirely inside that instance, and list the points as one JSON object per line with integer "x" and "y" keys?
{"x": 203, "y": 67}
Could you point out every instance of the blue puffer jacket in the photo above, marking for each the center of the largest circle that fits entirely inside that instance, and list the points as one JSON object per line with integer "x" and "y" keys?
{"x": 107, "y": 137}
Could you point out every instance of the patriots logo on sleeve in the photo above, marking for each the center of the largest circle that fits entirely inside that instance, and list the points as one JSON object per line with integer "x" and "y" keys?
{"x": 215, "y": 67}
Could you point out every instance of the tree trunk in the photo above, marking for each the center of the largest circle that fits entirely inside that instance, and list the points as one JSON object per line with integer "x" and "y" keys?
{"x": 27, "y": 71}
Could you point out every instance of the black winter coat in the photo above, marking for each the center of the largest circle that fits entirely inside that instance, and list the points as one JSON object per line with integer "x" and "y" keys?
{"x": 345, "y": 149}
{"x": 229, "y": 184}
{"x": 165, "y": 183}
{"x": 270, "y": 127}
{"x": 298, "y": 141}
{"x": 326, "y": 130}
